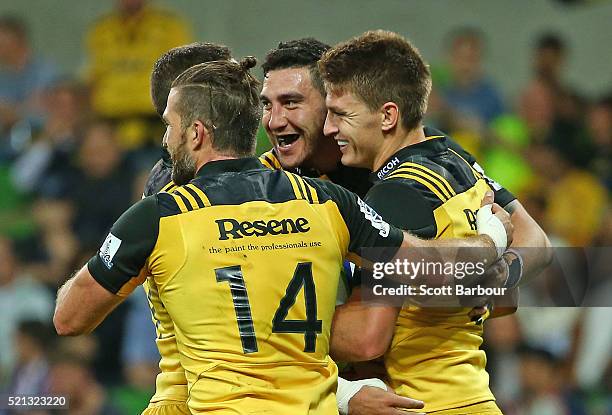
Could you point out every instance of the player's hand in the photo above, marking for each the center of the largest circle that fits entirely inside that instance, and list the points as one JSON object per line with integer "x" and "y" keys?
{"x": 375, "y": 401}
{"x": 494, "y": 277}
{"x": 501, "y": 215}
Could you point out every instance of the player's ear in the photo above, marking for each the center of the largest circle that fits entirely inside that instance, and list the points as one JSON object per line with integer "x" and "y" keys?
{"x": 198, "y": 135}
{"x": 389, "y": 113}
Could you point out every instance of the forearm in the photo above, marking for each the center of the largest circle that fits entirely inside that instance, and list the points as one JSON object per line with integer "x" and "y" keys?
{"x": 476, "y": 249}
{"x": 530, "y": 241}
{"x": 82, "y": 304}
{"x": 361, "y": 332}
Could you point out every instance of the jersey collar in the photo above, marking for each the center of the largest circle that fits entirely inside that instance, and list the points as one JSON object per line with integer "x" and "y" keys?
{"x": 213, "y": 168}
{"x": 435, "y": 142}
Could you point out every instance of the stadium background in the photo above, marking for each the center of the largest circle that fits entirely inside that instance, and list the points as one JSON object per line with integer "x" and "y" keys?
{"x": 67, "y": 169}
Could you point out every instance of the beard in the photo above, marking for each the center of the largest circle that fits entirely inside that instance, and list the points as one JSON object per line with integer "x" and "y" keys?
{"x": 183, "y": 165}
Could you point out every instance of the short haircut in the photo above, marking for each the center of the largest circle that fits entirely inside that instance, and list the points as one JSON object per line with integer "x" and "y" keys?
{"x": 465, "y": 33}
{"x": 14, "y": 24}
{"x": 40, "y": 333}
{"x": 551, "y": 40}
{"x": 379, "y": 67}
{"x": 298, "y": 53}
{"x": 172, "y": 63}
{"x": 224, "y": 96}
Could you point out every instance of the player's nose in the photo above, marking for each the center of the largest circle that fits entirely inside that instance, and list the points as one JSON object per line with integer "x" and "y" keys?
{"x": 329, "y": 128}
{"x": 278, "y": 118}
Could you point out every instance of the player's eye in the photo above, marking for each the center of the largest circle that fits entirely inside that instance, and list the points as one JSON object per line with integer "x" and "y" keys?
{"x": 267, "y": 106}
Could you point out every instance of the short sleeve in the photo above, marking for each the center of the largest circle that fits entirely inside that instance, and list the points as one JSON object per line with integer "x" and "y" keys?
{"x": 367, "y": 229}
{"x": 403, "y": 206}
{"x": 118, "y": 266}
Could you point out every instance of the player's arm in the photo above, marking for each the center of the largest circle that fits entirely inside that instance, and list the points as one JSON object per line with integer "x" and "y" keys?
{"x": 368, "y": 229}
{"x": 370, "y": 328}
{"x": 527, "y": 232}
{"x": 112, "y": 274}
{"x": 530, "y": 241}
{"x": 82, "y": 304}
{"x": 371, "y": 397}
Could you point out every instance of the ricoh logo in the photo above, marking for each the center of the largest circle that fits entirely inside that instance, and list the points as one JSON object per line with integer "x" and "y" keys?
{"x": 387, "y": 168}
{"x": 239, "y": 230}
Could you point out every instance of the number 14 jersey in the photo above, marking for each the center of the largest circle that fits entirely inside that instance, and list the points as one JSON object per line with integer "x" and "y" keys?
{"x": 246, "y": 261}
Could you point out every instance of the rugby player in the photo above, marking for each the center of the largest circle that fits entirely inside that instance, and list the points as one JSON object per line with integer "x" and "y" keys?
{"x": 209, "y": 247}
{"x": 171, "y": 385}
{"x": 377, "y": 90}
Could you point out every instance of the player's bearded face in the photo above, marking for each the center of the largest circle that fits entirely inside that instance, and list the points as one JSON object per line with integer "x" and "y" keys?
{"x": 183, "y": 164}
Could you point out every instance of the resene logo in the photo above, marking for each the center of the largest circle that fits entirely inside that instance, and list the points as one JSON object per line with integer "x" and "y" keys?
{"x": 239, "y": 230}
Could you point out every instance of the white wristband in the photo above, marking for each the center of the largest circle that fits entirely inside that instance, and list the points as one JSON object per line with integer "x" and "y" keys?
{"x": 348, "y": 389}
{"x": 488, "y": 224}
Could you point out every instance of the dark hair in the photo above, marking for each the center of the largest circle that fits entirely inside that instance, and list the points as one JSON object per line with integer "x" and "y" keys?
{"x": 15, "y": 25}
{"x": 550, "y": 40}
{"x": 172, "y": 63}
{"x": 379, "y": 67}
{"x": 39, "y": 332}
{"x": 297, "y": 53}
{"x": 465, "y": 33}
{"x": 225, "y": 97}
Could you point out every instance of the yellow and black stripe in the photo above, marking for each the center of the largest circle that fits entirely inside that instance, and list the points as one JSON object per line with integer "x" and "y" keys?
{"x": 190, "y": 197}
{"x": 270, "y": 160}
{"x": 434, "y": 182}
{"x": 301, "y": 188}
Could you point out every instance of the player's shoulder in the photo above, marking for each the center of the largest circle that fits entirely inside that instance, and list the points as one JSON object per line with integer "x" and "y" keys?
{"x": 159, "y": 179}
{"x": 270, "y": 160}
{"x": 328, "y": 190}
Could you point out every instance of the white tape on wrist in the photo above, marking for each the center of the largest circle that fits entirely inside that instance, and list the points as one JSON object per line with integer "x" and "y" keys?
{"x": 348, "y": 389}
{"x": 490, "y": 225}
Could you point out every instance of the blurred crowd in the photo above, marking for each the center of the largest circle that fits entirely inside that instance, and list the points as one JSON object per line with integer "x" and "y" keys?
{"x": 75, "y": 150}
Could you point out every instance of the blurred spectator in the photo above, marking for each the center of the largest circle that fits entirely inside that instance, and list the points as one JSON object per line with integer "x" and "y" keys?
{"x": 45, "y": 167}
{"x": 552, "y": 110}
{"x": 22, "y": 78}
{"x": 505, "y": 158}
{"x": 33, "y": 342}
{"x": 550, "y": 53}
{"x": 122, "y": 48}
{"x": 575, "y": 223}
{"x": 53, "y": 248}
{"x": 21, "y": 298}
{"x": 101, "y": 190}
{"x": 72, "y": 377}
{"x": 599, "y": 126}
{"x": 536, "y": 108}
{"x": 543, "y": 387}
{"x": 470, "y": 95}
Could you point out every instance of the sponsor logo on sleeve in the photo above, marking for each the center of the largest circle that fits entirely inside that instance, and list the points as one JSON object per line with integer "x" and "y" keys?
{"x": 375, "y": 219}
{"x": 109, "y": 249}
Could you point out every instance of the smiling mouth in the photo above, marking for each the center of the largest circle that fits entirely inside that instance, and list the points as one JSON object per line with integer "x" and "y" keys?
{"x": 287, "y": 140}
{"x": 342, "y": 143}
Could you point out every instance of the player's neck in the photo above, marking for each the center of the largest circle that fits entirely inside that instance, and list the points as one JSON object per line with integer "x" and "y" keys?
{"x": 209, "y": 158}
{"x": 395, "y": 141}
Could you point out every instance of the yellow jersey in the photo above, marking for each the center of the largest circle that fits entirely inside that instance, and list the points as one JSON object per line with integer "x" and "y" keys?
{"x": 246, "y": 262}
{"x": 432, "y": 190}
